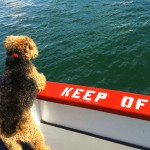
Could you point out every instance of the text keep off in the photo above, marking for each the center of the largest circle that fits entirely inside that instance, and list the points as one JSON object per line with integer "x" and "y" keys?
{"x": 91, "y": 95}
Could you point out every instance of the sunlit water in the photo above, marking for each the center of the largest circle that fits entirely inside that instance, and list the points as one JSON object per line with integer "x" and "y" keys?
{"x": 100, "y": 43}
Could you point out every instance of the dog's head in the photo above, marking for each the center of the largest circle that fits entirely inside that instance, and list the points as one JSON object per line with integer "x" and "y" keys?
{"x": 21, "y": 43}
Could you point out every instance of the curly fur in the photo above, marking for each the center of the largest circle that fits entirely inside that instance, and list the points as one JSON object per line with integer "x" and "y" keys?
{"x": 21, "y": 83}
{"x": 17, "y": 92}
{"x": 30, "y": 50}
{"x": 22, "y": 43}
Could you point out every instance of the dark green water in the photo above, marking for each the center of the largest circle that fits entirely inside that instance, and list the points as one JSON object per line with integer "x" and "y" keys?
{"x": 101, "y": 43}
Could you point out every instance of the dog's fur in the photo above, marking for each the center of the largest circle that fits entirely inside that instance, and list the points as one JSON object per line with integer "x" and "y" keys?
{"x": 30, "y": 50}
{"x": 18, "y": 90}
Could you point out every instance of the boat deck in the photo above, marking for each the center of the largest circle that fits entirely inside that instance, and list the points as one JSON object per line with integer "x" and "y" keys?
{"x": 62, "y": 139}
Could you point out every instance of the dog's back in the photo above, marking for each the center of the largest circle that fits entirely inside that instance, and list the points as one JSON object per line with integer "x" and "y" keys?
{"x": 17, "y": 92}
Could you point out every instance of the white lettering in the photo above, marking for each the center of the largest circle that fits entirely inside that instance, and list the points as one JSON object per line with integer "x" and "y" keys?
{"x": 127, "y": 101}
{"x": 66, "y": 91}
{"x": 100, "y": 95}
{"x": 88, "y": 95}
{"x": 77, "y": 93}
{"x": 140, "y": 103}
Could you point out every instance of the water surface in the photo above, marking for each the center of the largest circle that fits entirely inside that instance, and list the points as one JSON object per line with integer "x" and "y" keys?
{"x": 100, "y": 43}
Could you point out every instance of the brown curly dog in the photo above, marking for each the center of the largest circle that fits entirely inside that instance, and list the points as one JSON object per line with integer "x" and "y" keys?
{"x": 29, "y": 48}
{"x": 21, "y": 83}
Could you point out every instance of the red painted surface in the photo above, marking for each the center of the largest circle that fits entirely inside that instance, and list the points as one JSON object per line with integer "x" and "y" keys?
{"x": 122, "y": 103}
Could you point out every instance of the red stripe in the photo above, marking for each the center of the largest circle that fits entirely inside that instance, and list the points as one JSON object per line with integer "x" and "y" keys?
{"x": 122, "y": 103}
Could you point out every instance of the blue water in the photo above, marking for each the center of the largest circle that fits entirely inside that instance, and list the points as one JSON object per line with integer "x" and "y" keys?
{"x": 100, "y": 43}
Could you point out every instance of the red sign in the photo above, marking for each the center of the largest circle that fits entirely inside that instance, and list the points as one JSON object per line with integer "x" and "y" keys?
{"x": 122, "y": 103}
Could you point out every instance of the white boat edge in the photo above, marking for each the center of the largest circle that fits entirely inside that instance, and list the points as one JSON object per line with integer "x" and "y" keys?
{"x": 68, "y": 128}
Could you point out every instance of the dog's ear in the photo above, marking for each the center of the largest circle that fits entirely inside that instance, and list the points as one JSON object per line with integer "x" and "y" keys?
{"x": 28, "y": 48}
{"x": 31, "y": 49}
